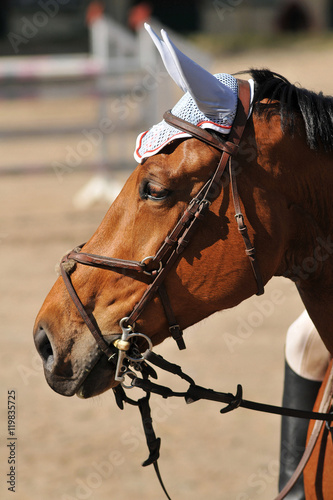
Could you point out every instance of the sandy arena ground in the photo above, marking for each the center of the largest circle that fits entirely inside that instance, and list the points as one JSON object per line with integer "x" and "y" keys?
{"x": 70, "y": 449}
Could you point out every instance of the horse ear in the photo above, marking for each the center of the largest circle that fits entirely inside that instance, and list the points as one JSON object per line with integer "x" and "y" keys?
{"x": 214, "y": 99}
{"x": 167, "y": 59}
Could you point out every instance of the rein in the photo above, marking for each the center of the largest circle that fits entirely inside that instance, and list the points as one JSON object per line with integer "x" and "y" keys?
{"x": 123, "y": 353}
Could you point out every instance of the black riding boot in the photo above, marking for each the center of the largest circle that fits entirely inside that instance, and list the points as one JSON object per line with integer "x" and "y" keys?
{"x": 299, "y": 393}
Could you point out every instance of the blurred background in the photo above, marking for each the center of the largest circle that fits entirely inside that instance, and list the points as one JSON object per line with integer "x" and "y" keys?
{"x": 59, "y": 52}
{"x": 79, "y": 80}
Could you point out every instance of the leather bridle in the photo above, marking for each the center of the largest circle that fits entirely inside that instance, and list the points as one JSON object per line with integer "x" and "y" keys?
{"x": 159, "y": 265}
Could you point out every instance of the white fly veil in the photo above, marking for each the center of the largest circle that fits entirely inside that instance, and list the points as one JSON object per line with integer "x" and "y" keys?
{"x": 210, "y": 101}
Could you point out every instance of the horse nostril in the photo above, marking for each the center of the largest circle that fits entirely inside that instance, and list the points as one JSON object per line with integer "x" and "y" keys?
{"x": 43, "y": 346}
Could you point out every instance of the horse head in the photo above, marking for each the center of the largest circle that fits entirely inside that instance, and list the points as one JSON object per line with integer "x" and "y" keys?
{"x": 136, "y": 238}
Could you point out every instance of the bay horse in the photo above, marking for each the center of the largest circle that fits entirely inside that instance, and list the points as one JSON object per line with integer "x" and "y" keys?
{"x": 284, "y": 177}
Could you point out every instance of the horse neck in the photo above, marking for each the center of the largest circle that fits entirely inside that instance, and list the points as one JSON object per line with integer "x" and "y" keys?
{"x": 310, "y": 253}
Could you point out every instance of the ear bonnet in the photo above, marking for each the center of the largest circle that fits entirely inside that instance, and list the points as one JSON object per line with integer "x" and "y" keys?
{"x": 210, "y": 101}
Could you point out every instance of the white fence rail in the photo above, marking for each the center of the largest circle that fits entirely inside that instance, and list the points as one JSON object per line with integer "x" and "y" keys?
{"x": 92, "y": 105}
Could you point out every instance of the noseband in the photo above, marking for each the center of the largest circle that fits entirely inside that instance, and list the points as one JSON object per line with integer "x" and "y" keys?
{"x": 158, "y": 266}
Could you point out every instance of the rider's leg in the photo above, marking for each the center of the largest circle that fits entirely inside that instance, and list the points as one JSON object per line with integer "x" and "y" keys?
{"x": 306, "y": 362}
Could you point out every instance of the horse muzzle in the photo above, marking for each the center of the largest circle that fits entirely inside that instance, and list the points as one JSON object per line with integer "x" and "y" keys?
{"x": 80, "y": 369}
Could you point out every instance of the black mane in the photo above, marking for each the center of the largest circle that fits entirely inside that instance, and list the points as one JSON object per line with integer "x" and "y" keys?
{"x": 315, "y": 109}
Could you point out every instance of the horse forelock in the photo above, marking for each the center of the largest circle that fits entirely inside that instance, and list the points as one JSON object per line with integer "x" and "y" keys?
{"x": 315, "y": 109}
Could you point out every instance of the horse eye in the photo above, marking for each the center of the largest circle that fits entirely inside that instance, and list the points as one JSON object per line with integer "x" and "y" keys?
{"x": 155, "y": 192}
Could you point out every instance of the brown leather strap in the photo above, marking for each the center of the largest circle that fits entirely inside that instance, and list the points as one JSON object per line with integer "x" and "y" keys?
{"x": 243, "y": 108}
{"x": 249, "y": 248}
{"x": 200, "y": 133}
{"x": 325, "y": 406}
{"x": 106, "y": 262}
{"x": 174, "y": 327}
{"x": 236, "y": 133}
{"x": 88, "y": 319}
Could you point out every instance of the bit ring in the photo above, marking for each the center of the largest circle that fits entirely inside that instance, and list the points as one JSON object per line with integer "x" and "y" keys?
{"x": 150, "y": 346}
{"x": 150, "y": 257}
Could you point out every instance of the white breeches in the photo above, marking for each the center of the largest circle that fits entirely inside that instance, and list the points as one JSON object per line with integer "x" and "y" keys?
{"x": 306, "y": 353}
